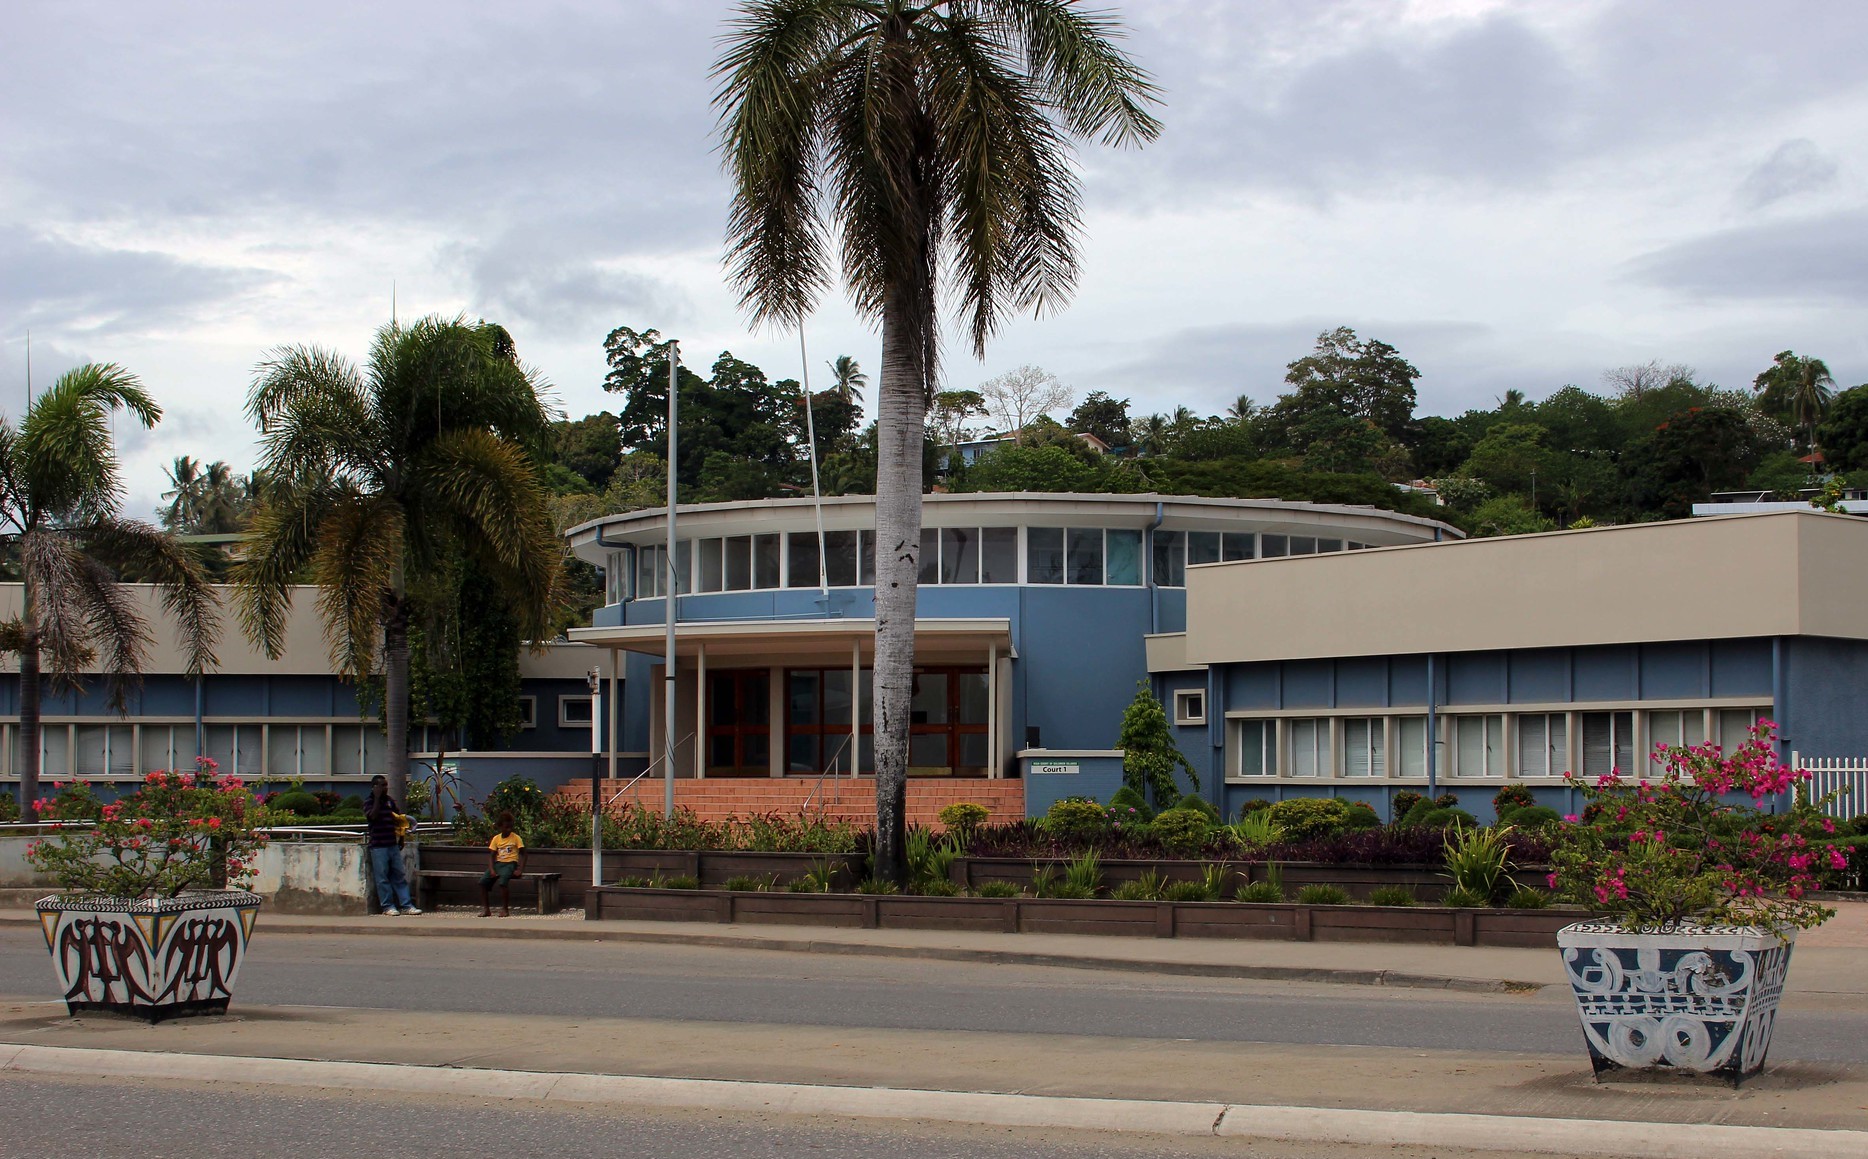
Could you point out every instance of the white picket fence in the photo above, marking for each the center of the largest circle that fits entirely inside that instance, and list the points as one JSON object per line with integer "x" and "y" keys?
{"x": 1827, "y": 774}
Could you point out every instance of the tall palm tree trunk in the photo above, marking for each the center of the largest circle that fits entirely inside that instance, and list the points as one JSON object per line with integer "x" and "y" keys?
{"x": 902, "y": 414}
{"x": 29, "y": 720}
{"x": 396, "y": 698}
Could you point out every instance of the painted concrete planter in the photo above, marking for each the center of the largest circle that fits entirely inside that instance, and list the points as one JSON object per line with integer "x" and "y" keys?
{"x": 148, "y": 958}
{"x": 1688, "y": 997}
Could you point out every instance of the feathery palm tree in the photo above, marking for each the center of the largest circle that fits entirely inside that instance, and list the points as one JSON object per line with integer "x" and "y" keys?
{"x": 204, "y": 500}
{"x": 377, "y": 479}
{"x": 1797, "y": 389}
{"x": 59, "y": 496}
{"x": 847, "y": 377}
{"x": 935, "y": 136}
{"x": 1242, "y": 409}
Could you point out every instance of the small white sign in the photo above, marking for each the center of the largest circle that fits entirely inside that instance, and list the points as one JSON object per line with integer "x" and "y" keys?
{"x": 1052, "y": 768}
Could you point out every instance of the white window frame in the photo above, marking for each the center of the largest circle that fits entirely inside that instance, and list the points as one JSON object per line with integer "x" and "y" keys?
{"x": 1322, "y": 747}
{"x": 1269, "y": 743}
{"x": 1375, "y": 749}
{"x": 1498, "y": 757}
{"x": 565, "y": 720}
{"x": 1185, "y": 696}
{"x": 1547, "y": 772}
{"x": 528, "y": 712}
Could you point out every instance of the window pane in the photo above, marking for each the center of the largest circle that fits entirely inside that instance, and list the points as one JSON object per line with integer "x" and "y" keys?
{"x": 1533, "y": 745}
{"x": 1303, "y": 748}
{"x": 312, "y": 754}
{"x": 1735, "y": 727}
{"x": 928, "y": 751}
{"x": 837, "y": 697}
{"x": 346, "y": 749}
{"x": 930, "y": 556}
{"x": 1044, "y": 555}
{"x": 738, "y": 551}
{"x": 1086, "y": 555}
{"x": 1469, "y": 742}
{"x": 710, "y": 565}
{"x": 866, "y": 543}
{"x": 1329, "y": 545}
{"x": 1271, "y": 546}
{"x": 972, "y": 697}
{"x": 1169, "y": 557}
{"x": 1239, "y": 545}
{"x": 1253, "y": 746}
{"x": 684, "y": 569}
{"x": 998, "y": 555}
{"x": 1412, "y": 748}
{"x": 765, "y": 561}
{"x": 959, "y": 555}
{"x": 801, "y": 698}
{"x": 375, "y": 750}
{"x": 755, "y": 750}
{"x": 282, "y": 750}
{"x": 1356, "y": 748}
{"x": 1202, "y": 547}
{"x": 972, "y": 751}
{"x": 648, "y": 570}
{"x": 155, "y": 743}
{"x": 801, "y": 567}
{"x": 90, "y": 745}
{"x": 1559, "y": 744}
{"x": 929, "y": 704}
{"x": 801, "y": 753}
{"x": 1624, "y": 742}
{"x": 840, "y": 558}
{"x": 1303, "y": 545}
{"x": 1125, "y": 558}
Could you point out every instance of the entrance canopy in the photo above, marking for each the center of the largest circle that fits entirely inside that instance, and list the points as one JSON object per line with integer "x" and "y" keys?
{"x": 830, "y": 640}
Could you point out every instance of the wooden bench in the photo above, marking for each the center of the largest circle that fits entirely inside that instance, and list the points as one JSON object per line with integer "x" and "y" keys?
{"x": 427, "y": 881}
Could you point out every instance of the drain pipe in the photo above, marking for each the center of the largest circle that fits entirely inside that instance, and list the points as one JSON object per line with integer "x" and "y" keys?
{"x": 1433, "y": 744}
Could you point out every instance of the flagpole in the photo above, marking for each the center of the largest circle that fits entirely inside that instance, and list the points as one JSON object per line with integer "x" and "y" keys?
{"x": 817, "y": 495}
{"x": 669, "y": 607}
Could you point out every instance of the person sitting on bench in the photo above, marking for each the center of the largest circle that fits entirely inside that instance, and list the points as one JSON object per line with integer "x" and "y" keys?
{"x": 505, "y": 861}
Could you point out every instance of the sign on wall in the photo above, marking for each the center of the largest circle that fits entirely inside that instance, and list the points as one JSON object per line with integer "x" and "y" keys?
{"x": 1051, "y": 768}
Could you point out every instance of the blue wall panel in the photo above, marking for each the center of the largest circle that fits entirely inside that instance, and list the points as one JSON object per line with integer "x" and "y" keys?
{"x": 1252, "y": 686}
{"x": 1080, "y": 658}
{"x": 1476, "y": 678}
{"x": 1407, "y": 680}
{"x": 1539, "y": 675}
{"x": 1308, "y": 683}
{"x": 1741, "y": 668}
{"x": 1673, "y": 671}
{"x": 1827, "y": 694}
{"x": 1605, "y": 673}
{"x": 1362, "y": 682}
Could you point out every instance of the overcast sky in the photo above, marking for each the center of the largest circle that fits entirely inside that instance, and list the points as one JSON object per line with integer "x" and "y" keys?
{"x": 1517, "y": 195}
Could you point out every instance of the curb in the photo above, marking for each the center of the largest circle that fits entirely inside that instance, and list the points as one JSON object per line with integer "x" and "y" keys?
{"x": 1607, "y": 1138}
{"x": 593, "y": 932}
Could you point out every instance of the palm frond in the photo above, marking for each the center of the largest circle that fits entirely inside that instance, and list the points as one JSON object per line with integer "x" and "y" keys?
{"x": 1075, "y": 58}
{"x": 357, "y": 563}
{"x": 282, "y": 538}
{"x": 187, "y": 595}
{"x": 438, "y": 374}
{"x": 313, "y": 415}
{"x": 51, "y": 569}
{"x": 114, "y": 625}
{"x": 66, "y": 461}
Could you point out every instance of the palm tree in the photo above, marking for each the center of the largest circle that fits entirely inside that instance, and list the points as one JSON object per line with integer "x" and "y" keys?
{"x": 204, "y": 500}
{"x": 936, "y": 136}
{"x": 59, "y": 494}
{"x": 377, "y": 480}
{"x": 846, "y": 377}
{"x": 1242, "y": 409}
{"x": 1797, "y": 389}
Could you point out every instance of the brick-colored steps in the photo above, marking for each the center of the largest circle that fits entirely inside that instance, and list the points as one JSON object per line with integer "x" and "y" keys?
{"x": 843, "y": 799}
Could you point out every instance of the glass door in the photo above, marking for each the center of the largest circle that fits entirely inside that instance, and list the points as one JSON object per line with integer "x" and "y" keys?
{"x": 739, "y": 729}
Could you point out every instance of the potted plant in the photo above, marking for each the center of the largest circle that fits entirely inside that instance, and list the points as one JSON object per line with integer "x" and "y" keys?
{"x": 147, "y": 921}
{"x": 1700, "y": 894}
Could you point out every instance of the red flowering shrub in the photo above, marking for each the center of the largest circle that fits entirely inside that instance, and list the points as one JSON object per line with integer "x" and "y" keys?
{"x": 177, "y": 831}
{"x": 1654, "y": 853}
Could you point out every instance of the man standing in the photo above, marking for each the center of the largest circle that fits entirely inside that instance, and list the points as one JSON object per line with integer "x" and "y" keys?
{"x": 385, "y": 840}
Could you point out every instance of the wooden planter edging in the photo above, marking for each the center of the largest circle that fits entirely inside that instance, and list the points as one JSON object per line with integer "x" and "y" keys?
{"x": 1427, "y": 881}
{"x": 1284, "y": 921}
{"x": 713, "y": 867}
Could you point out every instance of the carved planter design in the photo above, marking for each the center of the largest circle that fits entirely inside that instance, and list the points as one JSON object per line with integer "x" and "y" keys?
{"x": 1687, "y": 997}
{"x": 149, "y": 958}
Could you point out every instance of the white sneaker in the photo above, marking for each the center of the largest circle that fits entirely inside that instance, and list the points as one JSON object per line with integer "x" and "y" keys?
{"x": 391, "y": 912}
{"x": 410, "y": 910}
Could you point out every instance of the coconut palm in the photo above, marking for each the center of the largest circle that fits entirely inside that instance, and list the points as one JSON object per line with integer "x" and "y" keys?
{"x": 847, "y": 377}
{"x": 1798, "y": 390}
{"x": 936, "y": 138}
{"x": 378, "y": 478}
{"x": 204, "y": 500}
{"x": 59, "y": 494}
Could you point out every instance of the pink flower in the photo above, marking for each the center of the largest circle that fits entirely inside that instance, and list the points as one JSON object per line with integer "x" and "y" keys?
{"x": 1569, "y": 818}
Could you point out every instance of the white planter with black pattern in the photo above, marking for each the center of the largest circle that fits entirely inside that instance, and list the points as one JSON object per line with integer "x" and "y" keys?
{"x": 148, "y": 958}
{"x": 1685, "y": 997}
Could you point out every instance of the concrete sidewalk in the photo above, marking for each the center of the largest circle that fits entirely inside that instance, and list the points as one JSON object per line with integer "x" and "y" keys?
{"x": 1830, "y": 964}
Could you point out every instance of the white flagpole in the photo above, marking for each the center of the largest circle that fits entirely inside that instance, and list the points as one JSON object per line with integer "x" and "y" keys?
{"x": 817, "y": 496}
{"x": 669, "y": 607}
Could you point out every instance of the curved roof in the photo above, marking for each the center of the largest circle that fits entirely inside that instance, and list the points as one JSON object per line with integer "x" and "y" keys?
{"x": 1364, "y": 523}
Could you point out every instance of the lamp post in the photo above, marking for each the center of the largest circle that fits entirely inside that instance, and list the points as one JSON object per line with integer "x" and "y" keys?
{"x": 596, "y": 777}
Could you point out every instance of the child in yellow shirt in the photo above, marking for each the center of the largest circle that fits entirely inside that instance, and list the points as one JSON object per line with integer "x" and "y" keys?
{"x": 505, "y": 861}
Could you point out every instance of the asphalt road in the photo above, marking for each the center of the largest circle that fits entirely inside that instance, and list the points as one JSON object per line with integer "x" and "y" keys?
{"x": 130, "y": 1119}
{"x": 625, "y": 980}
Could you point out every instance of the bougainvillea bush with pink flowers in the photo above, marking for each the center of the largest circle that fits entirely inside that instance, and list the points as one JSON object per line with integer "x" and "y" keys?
{"x": 1696, "y": 844}
{"x": 178, "y": 831}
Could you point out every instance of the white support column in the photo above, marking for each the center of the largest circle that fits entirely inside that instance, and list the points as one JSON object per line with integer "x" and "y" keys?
{"x": 700, "y": 712}
{"x": 993, "y": 770}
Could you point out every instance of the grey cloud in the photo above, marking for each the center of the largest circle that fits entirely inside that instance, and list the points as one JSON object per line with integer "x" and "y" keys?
{"x": 1808, "y": 259}
{"x": 74, "y": 289}
{"x": 528, "y": 280}
{"x": 1794, "y": 167}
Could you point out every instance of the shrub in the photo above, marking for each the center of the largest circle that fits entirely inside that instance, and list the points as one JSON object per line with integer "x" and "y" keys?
{"x": 518, "y": 795}
{"x": 1404, "y": 800}
{"x": 1253, "y": 805}
{"x": 1416, "y": 813}
{"x": 1150, "y": 757}
{"x": 935, "y": 887}
{"x": 1137, "y": 890}
{"x": 1182, "y": 830}
{"x": 1188, "y": 891}
{"x": 1362, "y": 815}
{"x": 1128, "y": 799}
{"x": 1084, "y": 873}
{"x": 1256, "y": 830}
{"x": 1215, "y": 877}
{"x": 1446, "y": 801}
{"x": 298, "y": 802}
{"x": 9, "y": 808}
{"x": 1525, "y": 897}
{"x": 1511, "y": 797}
{"x": 1322, "y": 895}
{"x": 1397, "y": 895}
{"x": 749, "y": 884}
{"x": 1859, "y": 825}
{"x": 1076, "y": 819}
{"x": 930, "y": 858}
{"x": 875, "y": 885}
{"x": 1303, "y": 818}
{"x": 633, "y": 883}
{"x": 681, "y": 882}
{"x": 1069, "y": 892}
{"x": 1478, "y": 860}
{"x": 962, "y": 817}
{"x": 1535, "y": 817}
{"x": 1260, "y": 891}
{"x": 999, "y": 889}
{"x": 1199, "y": 804}
{"x": 1448, "y": 818}
{"x": 1460, "y": 897}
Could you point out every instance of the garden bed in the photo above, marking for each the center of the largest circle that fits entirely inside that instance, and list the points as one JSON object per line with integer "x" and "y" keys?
{"x": 1278, "y": 921}
{"x": 711, "y": 867}
{"x": 1427, "y": 881}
